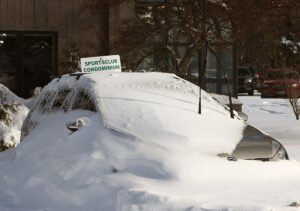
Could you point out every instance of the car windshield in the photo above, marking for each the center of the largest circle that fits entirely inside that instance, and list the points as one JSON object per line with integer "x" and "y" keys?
{"x": 282, "y": 75}
{"x": 244, "y": 72}
{"x": 65, "y": 99}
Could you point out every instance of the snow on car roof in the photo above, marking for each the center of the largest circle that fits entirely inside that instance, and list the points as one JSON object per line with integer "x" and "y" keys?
{"x": 151, "y": 87}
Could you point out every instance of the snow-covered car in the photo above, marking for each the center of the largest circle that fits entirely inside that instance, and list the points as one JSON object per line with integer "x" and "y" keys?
{"x": 135, "y": 141}
{"x": 75, "y": 92}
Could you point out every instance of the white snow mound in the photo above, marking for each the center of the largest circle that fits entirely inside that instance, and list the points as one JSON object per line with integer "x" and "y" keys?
{"x": 145, "y": 148}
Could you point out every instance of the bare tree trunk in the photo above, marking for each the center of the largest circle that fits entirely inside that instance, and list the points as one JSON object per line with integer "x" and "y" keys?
{"x": 186, "y": 60}
{"x": 295, "y": 105}
{"x": 293, "y": 99}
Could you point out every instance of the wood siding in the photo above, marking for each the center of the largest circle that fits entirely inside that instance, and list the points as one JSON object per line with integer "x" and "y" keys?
{"x": 75, "y": 26}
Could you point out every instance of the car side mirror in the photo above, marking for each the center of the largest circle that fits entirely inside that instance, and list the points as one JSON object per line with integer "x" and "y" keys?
{"x": 76, "y": 124}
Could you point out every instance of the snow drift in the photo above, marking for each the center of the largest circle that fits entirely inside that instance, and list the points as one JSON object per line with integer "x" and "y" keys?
{"x": 142, "y": 147}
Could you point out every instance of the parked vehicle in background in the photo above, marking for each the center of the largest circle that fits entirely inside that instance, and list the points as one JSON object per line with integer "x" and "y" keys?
{"x": 248, "y": 80}
{"x": 280, "y": 82}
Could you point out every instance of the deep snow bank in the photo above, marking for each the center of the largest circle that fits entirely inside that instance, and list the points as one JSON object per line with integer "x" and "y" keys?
{"x": 145, "y": 148}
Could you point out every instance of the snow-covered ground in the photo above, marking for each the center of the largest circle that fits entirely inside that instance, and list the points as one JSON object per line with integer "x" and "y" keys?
{"x": 145, "y": 148}
{"x": 274, "y": 116}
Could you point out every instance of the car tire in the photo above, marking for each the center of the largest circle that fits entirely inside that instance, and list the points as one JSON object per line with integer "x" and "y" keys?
{"x": 251, "y": 92}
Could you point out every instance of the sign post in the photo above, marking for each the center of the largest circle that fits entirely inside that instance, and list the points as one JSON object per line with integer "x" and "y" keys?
{"x": 101, "y": 63}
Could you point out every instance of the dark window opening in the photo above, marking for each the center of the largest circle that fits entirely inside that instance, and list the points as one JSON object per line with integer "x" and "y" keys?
{"x": 27, "y": 60}
{"x": 8, "y": 61}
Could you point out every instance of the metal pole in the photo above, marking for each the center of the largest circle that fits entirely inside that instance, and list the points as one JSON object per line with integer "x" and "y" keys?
{"x": 204, "y": 43}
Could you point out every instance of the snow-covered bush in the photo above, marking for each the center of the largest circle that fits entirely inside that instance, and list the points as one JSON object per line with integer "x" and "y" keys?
{"x": 13, "y": 111}
{"x": 11, "y": 119}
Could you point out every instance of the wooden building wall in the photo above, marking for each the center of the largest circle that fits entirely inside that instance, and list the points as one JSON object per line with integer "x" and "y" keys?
{"x": 75, "y": 25}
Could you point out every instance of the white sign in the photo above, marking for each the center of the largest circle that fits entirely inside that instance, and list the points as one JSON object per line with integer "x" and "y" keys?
{"x": 101, "y": 63}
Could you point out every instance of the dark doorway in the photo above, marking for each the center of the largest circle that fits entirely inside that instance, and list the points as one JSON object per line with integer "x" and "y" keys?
{"x": 27, "y": 60}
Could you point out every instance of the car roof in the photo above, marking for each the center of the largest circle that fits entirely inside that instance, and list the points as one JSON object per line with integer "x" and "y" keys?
{"x": 126, "y": 85}
{"x": 281, "y": 69}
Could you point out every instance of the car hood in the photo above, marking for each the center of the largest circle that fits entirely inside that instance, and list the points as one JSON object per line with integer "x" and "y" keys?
{"x": 281, "y": 81}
